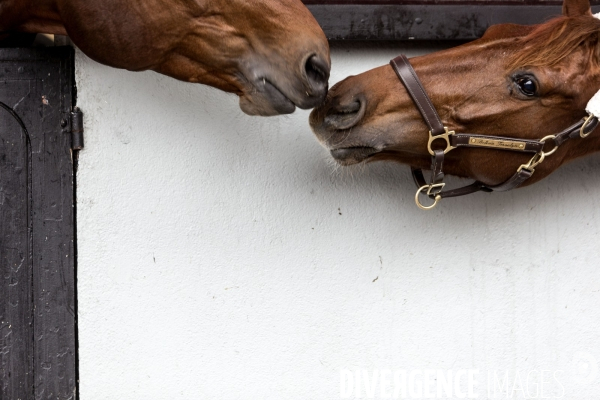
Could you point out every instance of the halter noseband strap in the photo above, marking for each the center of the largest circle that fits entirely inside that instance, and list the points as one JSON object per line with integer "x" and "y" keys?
{"x": 437, "y": 131}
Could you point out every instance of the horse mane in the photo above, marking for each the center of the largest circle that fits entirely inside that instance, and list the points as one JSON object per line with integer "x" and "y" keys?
{"x": 550, "y": 43}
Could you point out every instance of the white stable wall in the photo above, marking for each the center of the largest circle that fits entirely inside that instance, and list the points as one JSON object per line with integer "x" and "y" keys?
{"x": 223, "y": 257}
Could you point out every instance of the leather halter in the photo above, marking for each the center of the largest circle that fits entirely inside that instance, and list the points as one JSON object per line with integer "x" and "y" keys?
{"x": 438, "y": 132}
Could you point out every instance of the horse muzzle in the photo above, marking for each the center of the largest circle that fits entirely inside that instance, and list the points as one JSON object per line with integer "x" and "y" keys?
{"x": 275, "y": 93}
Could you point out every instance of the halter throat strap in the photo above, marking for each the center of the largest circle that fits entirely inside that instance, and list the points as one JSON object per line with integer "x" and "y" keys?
{"x": 437, "y": 131}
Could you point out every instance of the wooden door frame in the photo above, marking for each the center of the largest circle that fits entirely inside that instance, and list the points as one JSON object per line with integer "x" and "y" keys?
{"x": 39, "y": 360}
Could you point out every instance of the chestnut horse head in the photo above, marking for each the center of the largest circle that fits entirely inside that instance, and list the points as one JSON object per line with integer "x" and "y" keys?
{"x": 271, "y": 53}
{"x": 516, "y": 82}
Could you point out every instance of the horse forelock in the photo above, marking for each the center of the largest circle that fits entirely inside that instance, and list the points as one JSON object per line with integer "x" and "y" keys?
{"x": 550, "y": 43}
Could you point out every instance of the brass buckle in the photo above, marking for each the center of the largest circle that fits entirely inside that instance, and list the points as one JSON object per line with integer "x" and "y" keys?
{"x": 534, "y": 162}
{"x": 539, "y": 158}
{"x": 445, "y": 136}
{"x": 430, "y": 188}
{"x": 585, "y": 124}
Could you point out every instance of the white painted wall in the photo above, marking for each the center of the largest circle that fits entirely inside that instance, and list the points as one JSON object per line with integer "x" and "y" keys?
{"x": 221, "y": 257}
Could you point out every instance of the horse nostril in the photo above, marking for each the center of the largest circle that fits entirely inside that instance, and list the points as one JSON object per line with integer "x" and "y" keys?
{"x": 346, "y": 116}
{"x": 317, "y": 74}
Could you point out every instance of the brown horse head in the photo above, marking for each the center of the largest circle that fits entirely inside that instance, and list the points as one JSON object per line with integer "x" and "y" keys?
{"x": 516, "y": 81}
{"x": 271, "y": 53}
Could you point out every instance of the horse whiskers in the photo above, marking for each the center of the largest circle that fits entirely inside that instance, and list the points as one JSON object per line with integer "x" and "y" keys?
{"x": 340, "y": 171}
{"x": 335, "y": 167}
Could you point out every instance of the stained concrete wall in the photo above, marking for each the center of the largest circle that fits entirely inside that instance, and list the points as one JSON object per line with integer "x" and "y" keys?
{"x": 223, "y": 257}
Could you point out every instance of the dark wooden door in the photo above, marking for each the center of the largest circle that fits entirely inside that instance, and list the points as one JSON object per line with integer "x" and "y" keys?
{"x": 38, "y": 350}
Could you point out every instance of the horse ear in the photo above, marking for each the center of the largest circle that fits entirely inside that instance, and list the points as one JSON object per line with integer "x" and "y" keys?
{"x": 575, "y": 8}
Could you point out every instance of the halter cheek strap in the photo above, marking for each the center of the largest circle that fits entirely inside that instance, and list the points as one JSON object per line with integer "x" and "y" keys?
{"x": 438, "y": 132}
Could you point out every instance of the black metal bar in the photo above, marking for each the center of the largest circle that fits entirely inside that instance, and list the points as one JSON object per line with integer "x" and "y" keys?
{"x": 375, "y": 21}
{"x": 451, "y": 2}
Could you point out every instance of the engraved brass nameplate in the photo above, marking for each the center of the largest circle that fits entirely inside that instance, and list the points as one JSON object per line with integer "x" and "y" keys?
{"x": 497, "y": 144}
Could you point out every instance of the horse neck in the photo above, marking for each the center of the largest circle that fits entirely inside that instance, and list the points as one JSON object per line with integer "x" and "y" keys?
{"x": 35, "y": 16}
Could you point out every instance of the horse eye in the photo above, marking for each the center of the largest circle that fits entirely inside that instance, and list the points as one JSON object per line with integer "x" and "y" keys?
{"x": 527, "y": 86}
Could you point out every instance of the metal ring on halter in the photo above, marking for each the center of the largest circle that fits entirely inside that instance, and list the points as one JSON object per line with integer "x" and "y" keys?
{"x": 549, "y": 153}
{"x": 588, "y": 120}
{"x": 429, "y": 188}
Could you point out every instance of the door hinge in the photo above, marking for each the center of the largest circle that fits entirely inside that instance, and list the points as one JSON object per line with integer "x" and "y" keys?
{"x": 72, "y": 123}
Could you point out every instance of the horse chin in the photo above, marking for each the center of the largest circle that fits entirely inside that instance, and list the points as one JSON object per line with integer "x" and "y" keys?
{"x": 265, "y": 108}
{"x": 266, "y": 101}
{"x": 353, "y": 155}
